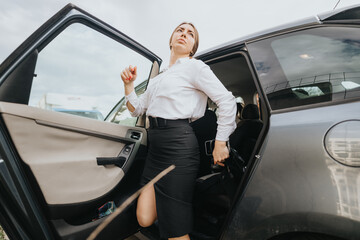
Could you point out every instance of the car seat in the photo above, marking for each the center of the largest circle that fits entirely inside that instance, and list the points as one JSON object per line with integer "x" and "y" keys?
{"x": 244, "y": 138}
{"x": 238, "y": 113}
{"x": 205, "y": 130}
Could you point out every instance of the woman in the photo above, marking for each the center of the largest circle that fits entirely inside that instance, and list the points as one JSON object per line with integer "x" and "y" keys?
{"x": 172, "y": 100}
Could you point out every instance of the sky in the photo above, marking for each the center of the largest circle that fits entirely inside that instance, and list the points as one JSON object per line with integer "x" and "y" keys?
{"x": 150, "y": 22}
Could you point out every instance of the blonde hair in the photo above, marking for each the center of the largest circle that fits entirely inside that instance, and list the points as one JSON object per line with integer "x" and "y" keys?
{"x": 196, "y": 43}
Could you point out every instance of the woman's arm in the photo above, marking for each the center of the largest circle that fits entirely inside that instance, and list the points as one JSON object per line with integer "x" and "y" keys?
{"x": 129, "y": 88}
{"x": 207, "y": 82}
{"x": 220, "y": 152}
{"x": 133, "y": 103}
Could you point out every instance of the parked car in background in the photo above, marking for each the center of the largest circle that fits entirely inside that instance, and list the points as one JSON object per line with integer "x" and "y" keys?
{"x": 294, "y": 173}
{"x": 94, "y": 114}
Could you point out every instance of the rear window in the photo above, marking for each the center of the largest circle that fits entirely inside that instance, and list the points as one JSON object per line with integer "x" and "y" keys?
{"x": 310, "y": 66}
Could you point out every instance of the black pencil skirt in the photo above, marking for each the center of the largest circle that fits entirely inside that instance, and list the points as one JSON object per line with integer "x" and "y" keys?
{"x": 174, "y": 144}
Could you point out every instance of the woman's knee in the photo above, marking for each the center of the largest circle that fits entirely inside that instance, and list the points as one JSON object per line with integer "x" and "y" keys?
{"x": 146, "y": 207}
{"x": 145, "y": 220}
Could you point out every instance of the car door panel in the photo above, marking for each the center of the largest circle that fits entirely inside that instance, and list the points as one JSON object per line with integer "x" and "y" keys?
{"x": 64, "y": 163}
{"x": 63, "y": 160}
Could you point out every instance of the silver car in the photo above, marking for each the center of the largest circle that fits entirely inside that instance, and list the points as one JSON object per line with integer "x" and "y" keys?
{"x": 294, "y": 170}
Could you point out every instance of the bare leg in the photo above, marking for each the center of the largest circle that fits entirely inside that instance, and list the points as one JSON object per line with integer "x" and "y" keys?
{"x": 146, "y": 210}
{"x": 146, "y": 207}
{"x": 185, "y": 237}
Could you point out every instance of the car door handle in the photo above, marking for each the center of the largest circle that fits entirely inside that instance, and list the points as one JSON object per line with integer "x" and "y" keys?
{"x": 118, "y": 161}
{"x": 135, "y": 135}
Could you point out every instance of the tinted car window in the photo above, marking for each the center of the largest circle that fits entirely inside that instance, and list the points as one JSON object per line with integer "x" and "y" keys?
{"x": 310, "y": 66}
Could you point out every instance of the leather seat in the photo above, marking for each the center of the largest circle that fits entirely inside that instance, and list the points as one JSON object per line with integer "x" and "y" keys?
{"x": 238, "y": 113}
{"x": 213, "y": 194}
{"x": 244, "y": 137}
{"x": 205, "y": 129}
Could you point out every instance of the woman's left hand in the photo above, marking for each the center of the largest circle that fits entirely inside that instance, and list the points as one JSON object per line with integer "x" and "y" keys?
{"x": 220, "y": 153}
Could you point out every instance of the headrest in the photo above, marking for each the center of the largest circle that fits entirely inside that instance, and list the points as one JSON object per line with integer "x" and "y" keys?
{"x": 205, "y": 124}
{"x": 239, "y": 108}
{"x": 250, "y": 111}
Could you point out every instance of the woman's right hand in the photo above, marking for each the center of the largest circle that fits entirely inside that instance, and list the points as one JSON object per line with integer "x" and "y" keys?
{"x": 129, "y": 74}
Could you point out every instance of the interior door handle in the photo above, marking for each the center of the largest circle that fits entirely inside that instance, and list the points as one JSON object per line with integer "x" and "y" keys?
{"x": 118, "y": 161}
{"x": 135, "y": 135}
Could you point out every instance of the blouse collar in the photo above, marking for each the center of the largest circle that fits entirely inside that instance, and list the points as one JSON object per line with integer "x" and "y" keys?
{"x": 179, "y": 61}
{"x": 182, "y": 60}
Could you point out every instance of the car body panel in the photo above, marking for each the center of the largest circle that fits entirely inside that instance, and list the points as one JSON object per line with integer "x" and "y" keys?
{"x": 297, "y": 186}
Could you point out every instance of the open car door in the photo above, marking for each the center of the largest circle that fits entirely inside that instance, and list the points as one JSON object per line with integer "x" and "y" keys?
{"x": 60, "y": 161}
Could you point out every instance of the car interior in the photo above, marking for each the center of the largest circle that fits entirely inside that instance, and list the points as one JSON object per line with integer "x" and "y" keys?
{"x": 217, "y": 187}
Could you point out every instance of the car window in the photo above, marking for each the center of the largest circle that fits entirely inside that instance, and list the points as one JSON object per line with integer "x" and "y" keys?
{"x": 310, "y": 66}
{"x": 78, "y": 73}
{"x": 120, "y": 114}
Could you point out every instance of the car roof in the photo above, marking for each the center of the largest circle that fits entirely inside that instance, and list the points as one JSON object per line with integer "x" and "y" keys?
{"x": 342, "y": 14}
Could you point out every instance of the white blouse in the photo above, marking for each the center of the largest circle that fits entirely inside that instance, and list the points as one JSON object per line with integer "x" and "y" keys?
{"x": 181, "y": 92}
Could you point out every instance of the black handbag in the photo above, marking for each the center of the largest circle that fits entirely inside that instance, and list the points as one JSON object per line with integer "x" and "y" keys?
{"x": 232, "y": 172}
